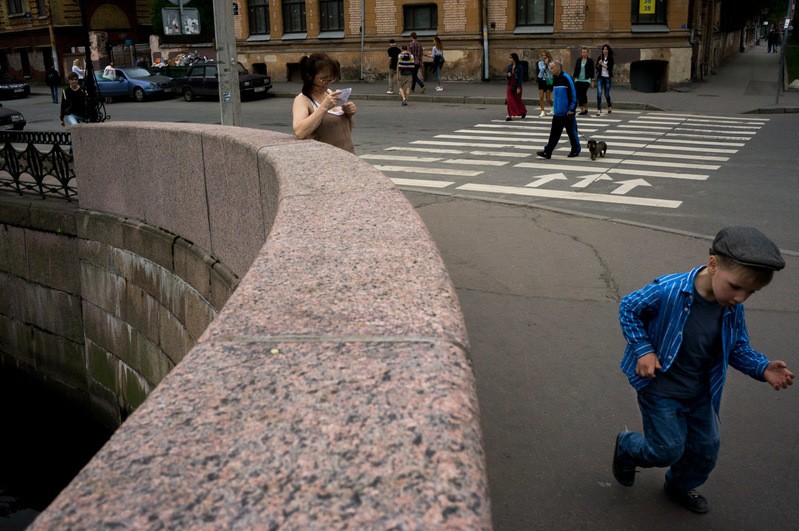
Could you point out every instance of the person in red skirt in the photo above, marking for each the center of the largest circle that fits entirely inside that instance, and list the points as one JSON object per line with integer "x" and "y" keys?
{"x": 514, "y": 93}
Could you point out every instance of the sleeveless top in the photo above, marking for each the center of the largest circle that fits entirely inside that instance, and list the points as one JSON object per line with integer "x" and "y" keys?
{"x": 334, "y": 130}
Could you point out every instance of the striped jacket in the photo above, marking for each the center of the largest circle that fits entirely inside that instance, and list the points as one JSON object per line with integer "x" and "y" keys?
{"x": 405, "y": 64}
{"x": 653, "y": 318}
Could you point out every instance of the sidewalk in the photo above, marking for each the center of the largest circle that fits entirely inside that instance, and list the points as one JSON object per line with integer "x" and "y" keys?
{"x": 746, "y": 84}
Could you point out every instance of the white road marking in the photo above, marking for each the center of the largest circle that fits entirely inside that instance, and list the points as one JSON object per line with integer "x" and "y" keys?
{"x": 683, "y": 156}
{"x": 402, "y": 158}
{"x": 471, "y": 144}
{"x": 585, "y": 181}
{"x": 715, "y": 137}
{"x": 514, "y": 133}
{"x": 498, "y": 154}
{"x": 544, "y": 179}
{"x": 692, "y": 149}
{"x": 667, "y": 175}
{"x": 641, "y": 125}
{"x": 434, "y": 171}
{"x": 667, "y": 164}
{"x": 464, "y": 137}
{"x": 421, "y": 182}
{"x": 425, "y": 150}
{"x": 700, "y": 142}
{"x": 695, "y": 130}
{"x": 577, "y": 196}
{"x": 723, "y": 118}
{"x": 626, "y": 186}
{"x": 478, "y": 162}
{"x": 638, "y": 138}
{"x": 546, "y": 166}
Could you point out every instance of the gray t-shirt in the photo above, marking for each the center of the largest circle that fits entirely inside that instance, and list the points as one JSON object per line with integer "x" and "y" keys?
{"x": 689, "y": 375}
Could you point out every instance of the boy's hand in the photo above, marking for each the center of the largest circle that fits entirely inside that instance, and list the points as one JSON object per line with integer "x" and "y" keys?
{"x": 777, "y": 375}
{"x": 647, "y": 365}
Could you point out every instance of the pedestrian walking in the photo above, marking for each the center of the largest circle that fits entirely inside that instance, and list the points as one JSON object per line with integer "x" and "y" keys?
{"x": 563, "y": 112}
{"x": 53, "y": 80}
{"x": 513, "y": 94}
{"x": 544, "y": 78}
{"x": 604, "y": 75}
{"x": 317, "y": 112}
{"x": 405, "y": 70}
{"x": 437, "y": 55}
{"x": 393, "y": 53}
{"x": 73, "y": 102}
{"x": 416, "y": 49}
{"x": 682, "y": 332}
{"x": 583, "y": 78}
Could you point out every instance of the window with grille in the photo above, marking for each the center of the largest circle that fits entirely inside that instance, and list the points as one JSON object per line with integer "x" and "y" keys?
{"x": 420, "y": 17}
{"x": 331, "y": 15}
{"x": 535, "y": 12}
{"x": 259, "y": 17}
{"x": 294, "y": 16}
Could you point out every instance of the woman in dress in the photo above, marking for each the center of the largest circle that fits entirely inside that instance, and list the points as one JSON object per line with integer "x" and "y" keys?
{"x": 316, "y": 112}
{"x": 514, "y": 91}
{"x": 604, "y": 74}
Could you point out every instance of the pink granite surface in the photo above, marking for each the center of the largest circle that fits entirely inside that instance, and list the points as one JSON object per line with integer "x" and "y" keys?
{"x": 332, "y": 391}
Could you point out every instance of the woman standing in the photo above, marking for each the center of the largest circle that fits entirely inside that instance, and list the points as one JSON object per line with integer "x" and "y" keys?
{"x": 438, "y": 60}
{"x": 514, "y": 92}
{"x": 316, "y": 113}
{"x": 545, "y": 81}
{"x": 583, "y": 78}
{"x": 77, "y": 69}
{"x": 604, "y": 74}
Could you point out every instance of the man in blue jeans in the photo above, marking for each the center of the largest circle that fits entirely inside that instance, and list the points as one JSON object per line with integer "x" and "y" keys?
{"x": 682, "y": 331}
{"x": 564, "y": 103}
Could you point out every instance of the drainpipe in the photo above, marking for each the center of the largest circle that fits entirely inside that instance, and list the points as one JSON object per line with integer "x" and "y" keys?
{"x": 485, "y": 40}
{"x": 363, "y": 31}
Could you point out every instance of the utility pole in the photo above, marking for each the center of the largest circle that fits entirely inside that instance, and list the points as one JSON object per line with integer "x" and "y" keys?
{"x": 227, "y": 63}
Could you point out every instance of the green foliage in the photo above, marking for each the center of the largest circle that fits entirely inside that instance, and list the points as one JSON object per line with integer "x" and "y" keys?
{"x": 206, "y": 9}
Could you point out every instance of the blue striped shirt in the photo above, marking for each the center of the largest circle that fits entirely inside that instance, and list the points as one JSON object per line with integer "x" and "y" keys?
{"x": 653, "y": 318}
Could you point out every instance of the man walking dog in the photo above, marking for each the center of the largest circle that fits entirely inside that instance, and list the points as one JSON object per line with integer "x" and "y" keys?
{"x": 564, "y": 104}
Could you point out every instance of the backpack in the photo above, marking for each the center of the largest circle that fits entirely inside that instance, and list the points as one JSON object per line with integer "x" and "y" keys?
{"x": 439, "y": 59}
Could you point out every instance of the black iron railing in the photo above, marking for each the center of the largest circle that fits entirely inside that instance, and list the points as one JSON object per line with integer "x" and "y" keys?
{"x": 37, "y": 163}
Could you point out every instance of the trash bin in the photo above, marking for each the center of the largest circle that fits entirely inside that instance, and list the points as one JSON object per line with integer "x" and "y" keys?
{"x": 650, "y": 75}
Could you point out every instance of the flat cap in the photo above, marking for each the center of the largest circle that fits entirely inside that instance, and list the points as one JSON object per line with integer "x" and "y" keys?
{"x": 748, "y": 246}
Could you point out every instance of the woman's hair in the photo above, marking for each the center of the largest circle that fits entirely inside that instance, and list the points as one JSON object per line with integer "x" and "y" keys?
{"x": 515, "y": 57}
{"x": 438, "y": 42}
{"x": 312, "y": 65}
{"x": 76, "y": 62}
{"x": 610, "y": 50}
{"x": 547, "y": 55}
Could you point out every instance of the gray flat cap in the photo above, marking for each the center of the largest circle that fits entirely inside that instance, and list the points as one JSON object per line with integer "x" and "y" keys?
{"x": 748, "y": 246}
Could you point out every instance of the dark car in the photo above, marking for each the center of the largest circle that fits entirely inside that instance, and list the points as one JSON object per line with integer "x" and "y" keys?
{"x": 11, "y": 87}
{"x": 136, "y": 83}
{"x": 11, "y": 118}
{"x": 202, "y": 79}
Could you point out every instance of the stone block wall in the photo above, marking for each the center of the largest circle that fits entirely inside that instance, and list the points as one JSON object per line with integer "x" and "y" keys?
{"x": 100, "y": 307}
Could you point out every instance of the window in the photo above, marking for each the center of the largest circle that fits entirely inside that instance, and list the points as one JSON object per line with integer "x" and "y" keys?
{"x": 40, "y": 6}
{"x": 648, "y": 12}
{"x": 259, "y": 17}
{"x": 535, "y": 12}
{"x": 331, "y": 15}
{"x": 420, "y": 17}
{"x": 15, "y": 7}
{"x": 294, "y": 16}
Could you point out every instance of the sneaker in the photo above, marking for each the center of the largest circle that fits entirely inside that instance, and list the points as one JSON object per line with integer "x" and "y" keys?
{"x": 542, "y": 114}
{"x": 439, "y": 89}
{"x": 691, "y": 500}
{"x": 544, "y": 154}
{"x": 424, "y": 89}
{"x": 623, "y": 474}
{"x": 404, "y": 102}
{"x": 389, "y": 92}
{"x": 599, "y": 112}
{"x": 610, "y": 110}
{"x": 573, "y": 154}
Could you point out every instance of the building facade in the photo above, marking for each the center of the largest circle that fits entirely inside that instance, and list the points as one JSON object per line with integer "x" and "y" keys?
{"x": 657, "y": 43}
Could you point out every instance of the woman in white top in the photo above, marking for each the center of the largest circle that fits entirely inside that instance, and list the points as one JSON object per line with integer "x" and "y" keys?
{"x": 77, "y": 69}
{"x": 316, "y": 111}
{"x": 438, "y": 60}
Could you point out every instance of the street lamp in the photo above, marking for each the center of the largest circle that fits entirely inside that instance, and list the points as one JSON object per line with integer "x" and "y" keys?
{"x": 94, "y": 103}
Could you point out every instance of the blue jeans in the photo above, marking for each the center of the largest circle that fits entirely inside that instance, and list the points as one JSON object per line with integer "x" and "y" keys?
{"x": 54, "y": 93}
{"x": 602, "y": 85}
{"x": 416, "y": 80}
{"x": 680, "y": 434}
{"x": 438, "y": 74}
{"x": 73, "y": 119}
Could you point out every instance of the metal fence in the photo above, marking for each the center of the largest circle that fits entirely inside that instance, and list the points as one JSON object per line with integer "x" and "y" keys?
{"x": 38, "y": 163}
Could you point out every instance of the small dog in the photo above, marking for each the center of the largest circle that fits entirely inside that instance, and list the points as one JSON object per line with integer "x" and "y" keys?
{"x": 597, "y": 147}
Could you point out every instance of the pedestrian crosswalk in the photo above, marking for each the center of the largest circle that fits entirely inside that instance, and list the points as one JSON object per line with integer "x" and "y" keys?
{"x": 647, "y": 150}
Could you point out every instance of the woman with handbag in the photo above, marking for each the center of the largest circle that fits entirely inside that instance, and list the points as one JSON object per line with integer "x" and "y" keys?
{"x": 545, "y": 81}
{"x": 513, "y": 93}
{"x": 438, "y": 60}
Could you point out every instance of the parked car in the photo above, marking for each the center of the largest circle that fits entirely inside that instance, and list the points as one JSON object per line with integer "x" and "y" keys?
{"x": 11, "y": 87}
{"x": 202, "y": 79}
{"x": 136, "y": 83}
{"x": 11, "y": 118}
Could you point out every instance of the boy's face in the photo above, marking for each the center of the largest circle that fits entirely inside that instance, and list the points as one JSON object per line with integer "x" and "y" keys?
{"x": 731, "y": 286}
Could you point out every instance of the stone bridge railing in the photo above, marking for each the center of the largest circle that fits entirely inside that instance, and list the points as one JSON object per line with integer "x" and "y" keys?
{"x": 332, "y": 390}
